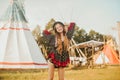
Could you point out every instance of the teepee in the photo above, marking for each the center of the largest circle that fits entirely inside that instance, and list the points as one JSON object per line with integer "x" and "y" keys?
{"x": 18, "y": 48}
{"x": 101, "y": 58}
{"x": 107, "y": 56}
{"x": 111, "y": 54}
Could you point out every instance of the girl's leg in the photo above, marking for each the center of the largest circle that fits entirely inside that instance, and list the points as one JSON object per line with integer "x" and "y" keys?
{"x": 61, "y": 73}
{"x": 50, "y": 71}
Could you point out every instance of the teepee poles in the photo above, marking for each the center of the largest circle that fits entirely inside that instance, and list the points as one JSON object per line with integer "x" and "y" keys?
{"x": 78, "y": 50}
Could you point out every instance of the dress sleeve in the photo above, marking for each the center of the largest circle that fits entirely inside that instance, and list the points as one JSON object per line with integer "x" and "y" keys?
{"x": 47, "y": 34}
{"x": 70, "y": 30}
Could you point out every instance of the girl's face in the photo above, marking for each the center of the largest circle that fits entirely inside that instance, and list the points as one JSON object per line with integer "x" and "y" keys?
{"x": 59, "y": 28}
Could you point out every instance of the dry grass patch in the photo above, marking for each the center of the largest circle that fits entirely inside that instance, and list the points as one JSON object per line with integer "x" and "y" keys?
{"x": 107, "y": 73}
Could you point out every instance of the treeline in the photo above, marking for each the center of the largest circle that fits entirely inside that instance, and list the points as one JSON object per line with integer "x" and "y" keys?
{"x": 80, "y": 35}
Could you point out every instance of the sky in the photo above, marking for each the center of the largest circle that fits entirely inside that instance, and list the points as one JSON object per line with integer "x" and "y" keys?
{"x": 99, "y": 15}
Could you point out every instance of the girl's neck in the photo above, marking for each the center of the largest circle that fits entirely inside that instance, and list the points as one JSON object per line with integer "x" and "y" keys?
{"x": 61, "y": 34}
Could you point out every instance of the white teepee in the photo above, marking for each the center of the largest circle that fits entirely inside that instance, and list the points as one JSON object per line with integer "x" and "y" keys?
{"x": 18, "y": 48}
{"x": 102, "y": 59}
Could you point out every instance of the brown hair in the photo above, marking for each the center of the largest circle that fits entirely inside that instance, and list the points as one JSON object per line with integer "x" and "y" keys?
{"x": 58, "y": 22}
{"x": 59, "y": 42}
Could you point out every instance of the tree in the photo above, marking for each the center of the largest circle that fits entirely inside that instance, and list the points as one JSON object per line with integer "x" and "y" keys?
{"x": 50, "y": 23}
{"x": 80, "y": 36}
{"x": 36, "y": 33}
{"x": 93, "y": 35}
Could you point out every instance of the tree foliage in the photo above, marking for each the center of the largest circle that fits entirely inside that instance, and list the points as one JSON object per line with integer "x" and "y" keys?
{"x": 49, "y": 24}
{"x": 82, "y": 36}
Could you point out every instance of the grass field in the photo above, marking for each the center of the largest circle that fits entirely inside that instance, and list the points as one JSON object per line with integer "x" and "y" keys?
{"x": 106, "y": 73}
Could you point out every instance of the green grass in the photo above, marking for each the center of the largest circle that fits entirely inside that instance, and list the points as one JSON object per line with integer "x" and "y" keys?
{"x": 106, "y": 73}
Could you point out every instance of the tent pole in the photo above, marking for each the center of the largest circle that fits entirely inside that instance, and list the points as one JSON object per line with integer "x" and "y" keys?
{"x": 92, "y": 55}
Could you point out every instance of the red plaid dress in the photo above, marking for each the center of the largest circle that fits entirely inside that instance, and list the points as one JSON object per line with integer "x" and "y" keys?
{"x": 59, "y": 60}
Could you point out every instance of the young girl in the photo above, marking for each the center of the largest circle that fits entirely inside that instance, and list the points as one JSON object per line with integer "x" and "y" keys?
{"x": 58, "y": 56}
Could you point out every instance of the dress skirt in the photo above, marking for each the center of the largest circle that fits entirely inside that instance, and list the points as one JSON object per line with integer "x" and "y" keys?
{"x": 59, "y": 60}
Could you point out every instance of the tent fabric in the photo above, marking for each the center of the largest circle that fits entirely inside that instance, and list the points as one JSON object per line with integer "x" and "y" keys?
{"x": 107, "y": 56}
{"x": 18, "y": 48}
{"x": 15, "y": 12}
{"x": 101, "y": 58}
{"x": 89, "y": 44}
{"x": 111, "y": 54}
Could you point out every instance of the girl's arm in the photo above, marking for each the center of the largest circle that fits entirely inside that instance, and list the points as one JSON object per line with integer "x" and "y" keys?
{"x": 70, "y": 30}
{"x": 47, "y": 34}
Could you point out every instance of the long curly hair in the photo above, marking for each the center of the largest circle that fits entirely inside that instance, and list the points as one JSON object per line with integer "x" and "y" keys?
{"x": 58, "y": 42}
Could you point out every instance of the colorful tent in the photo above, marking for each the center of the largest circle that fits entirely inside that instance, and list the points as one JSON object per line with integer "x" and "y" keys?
{"x": 107, "y": 56}
{"x": 18, "y": 48}
{"x": 111, "y": 54}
